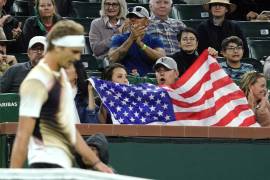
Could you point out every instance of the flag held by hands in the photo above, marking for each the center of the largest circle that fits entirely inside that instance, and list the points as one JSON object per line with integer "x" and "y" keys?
{"x": 203, "y": 96}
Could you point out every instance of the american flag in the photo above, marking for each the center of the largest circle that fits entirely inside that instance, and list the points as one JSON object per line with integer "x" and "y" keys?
{"x": 135, "y": 104}
{"x": 203, "y": 96}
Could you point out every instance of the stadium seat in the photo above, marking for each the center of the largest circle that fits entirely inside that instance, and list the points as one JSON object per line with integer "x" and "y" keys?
{"x": 256, "y": 64}
{"x": 259, "y": 48}
{"x": 90, "y": 62}
{"x": 138, "y": 80}
{"x": 189, "y": 11}
{"x": 9, "y": 107}
{"x": 87, "y": 48}
{"x": 21, "y": 8}
{"x": 255, "y": 29}
{"x": 194, "y": 23}
{"x": 85, "y": 22}
{"x": 86, "y": 9}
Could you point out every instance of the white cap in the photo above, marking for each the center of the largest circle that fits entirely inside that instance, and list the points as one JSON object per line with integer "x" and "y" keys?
{"x": 168, "y": 62}
{"x": 139, "y": 11}
{"x": 37, "y": 39}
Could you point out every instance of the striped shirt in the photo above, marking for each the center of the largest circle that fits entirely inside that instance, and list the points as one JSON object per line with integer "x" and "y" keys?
{"x": 166, "y": 31}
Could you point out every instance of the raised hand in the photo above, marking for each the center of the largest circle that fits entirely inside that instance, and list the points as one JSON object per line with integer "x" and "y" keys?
{"x": 16, "y": 32}
{"x": 3, "y": 19}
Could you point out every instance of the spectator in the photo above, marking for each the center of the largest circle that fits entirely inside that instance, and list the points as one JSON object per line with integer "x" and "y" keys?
{"x": 83, "y": 93}
{"x": 13, "y": 77}
{"x": 136, "y": 50}
{"x": 188, "y": 43}
{"x": 254, "y": 86}
{"x": 64, "y": 8}
{"x": 249, "y": 9}
{"x": 164, "y": 27}
{"x": 100, "y": 146}
{"x": 232, "y": 50}
{"x": 115, "y": 73}
{"x": 212, "y": 31}
{"x": 6, "y": 61}
{"x": 166, "y": 71}
{"x": 40, "y": 24}
{"x": 266, "y": 68}
{"x": 102, "y": 29}
{"x": 12, "y": 29}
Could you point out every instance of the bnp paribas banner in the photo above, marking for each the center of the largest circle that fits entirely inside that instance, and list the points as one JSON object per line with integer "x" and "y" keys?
{"x": 9, "y": 107}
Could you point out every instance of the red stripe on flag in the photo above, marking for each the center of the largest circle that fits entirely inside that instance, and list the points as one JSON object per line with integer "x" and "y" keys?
{"x": 207, "y": 95}
{"x": 211, "y": 111}
{"x": 197, "y": 86}
{"x": 193, "y": 68}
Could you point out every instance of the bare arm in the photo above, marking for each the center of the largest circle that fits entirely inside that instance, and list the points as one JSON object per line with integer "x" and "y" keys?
{"x": 19, "y": 152}
{"x": 102, "y": 114}
{"x": 116, "y": 54}
{"x": 88, "y": 156}
{"x": 153, "y": 54}
{"x": 91, "y": 98}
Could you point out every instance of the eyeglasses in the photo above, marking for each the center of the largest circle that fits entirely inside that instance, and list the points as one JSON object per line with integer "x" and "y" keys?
{"x": 114, "y": 5}
{"x": 132, "y": 9}
{"x": 238, "y": 48}
{"x": 36, "y": 50}
{"x": 189, "y": 39}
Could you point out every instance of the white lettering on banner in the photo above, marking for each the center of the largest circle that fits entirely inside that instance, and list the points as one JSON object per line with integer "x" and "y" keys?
{"x": 8, "y": 104}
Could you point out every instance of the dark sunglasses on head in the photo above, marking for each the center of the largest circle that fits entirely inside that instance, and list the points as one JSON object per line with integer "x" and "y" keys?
{"x": 132, "y": 9}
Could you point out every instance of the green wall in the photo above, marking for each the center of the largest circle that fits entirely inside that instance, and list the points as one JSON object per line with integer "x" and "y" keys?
{"x": 191, "y": 159}
{"x": 184, "y": 158}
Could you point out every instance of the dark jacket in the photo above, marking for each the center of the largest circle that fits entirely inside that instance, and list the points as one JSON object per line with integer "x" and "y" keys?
{"x": 34, "y": 27}
{"x": 245, "y": 6}
{"x": 16, "y": 46}
{"x": 184, "y": 60}
{"x": 86, "y": 115}
{"x": 10, "y": 82}
{"x": 212, "y": 36}
{"x": 100, "y": 142}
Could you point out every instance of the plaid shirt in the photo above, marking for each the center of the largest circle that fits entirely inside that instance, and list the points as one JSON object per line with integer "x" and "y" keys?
{"x": 167, "y": 32}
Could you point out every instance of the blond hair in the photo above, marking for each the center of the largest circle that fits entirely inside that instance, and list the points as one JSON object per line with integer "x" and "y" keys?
{"x": 122, "y": 11}
{"x": 63, "y": 28}
{"x": 249, "y": 79}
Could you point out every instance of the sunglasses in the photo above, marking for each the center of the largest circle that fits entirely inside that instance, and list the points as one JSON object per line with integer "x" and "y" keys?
{"x": 136, "y": 9}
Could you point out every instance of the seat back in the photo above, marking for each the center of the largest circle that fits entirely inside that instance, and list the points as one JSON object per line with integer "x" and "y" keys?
{"x": 9, "y": 107}
{"x": 255, "y": 29}
{"x": 259, "y": 48}
{"x": 194, "y": 23}
{"x": 85, "y": 22}
{"x": 91, "y": 63}
{"x": 86, "y": 9}
{"x": 189, "y": 11}
{"x": 22, "y": 8}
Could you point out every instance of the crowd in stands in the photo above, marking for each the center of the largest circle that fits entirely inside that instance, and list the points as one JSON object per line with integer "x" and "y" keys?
{"x": 138, "y": 42}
